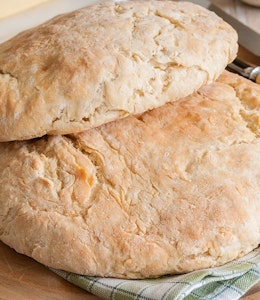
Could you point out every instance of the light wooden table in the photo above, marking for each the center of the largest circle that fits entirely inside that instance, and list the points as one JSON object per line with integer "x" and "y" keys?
{"x": 23, "y": 278}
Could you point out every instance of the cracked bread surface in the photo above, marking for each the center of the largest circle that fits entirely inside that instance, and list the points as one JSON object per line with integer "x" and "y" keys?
{"x": 169, "y": 191}
{"x": 106, "y": 61}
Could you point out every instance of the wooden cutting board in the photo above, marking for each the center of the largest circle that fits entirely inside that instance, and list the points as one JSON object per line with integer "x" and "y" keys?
{"x": 23, "y": 278}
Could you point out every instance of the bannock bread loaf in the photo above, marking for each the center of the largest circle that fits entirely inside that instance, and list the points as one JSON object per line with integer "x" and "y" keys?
{"x": 106, "y": 61}
{"x": 169, "y": 191}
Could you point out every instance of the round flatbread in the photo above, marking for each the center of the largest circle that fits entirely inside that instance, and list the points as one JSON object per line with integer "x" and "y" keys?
{"x": 106, "y": 61}
{"x": 172, "y": 190}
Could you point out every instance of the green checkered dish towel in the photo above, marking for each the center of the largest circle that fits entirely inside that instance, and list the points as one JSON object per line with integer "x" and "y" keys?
{"x": 230, "y": 281}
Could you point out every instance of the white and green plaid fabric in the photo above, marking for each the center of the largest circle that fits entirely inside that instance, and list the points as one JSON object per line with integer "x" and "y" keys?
{"x": 230, "y": 281}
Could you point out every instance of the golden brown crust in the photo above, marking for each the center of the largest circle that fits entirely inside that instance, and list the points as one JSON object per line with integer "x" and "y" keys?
{"x": 107, "y": 61}
{"x": 172, "y": 190}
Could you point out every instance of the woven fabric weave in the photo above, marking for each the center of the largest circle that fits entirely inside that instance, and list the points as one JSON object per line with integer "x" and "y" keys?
{"x": 230, "y": 281}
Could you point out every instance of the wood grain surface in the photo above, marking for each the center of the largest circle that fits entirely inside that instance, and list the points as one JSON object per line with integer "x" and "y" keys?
{"x": 23, "y": 278}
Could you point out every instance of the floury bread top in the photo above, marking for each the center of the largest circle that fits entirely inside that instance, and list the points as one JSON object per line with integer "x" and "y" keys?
{"x": 106, "y": 61}
{"x": 172, "y": 190}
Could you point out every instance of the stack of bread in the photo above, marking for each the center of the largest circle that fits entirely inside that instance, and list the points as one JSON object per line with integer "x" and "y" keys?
{"x": 126, "y": 149}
